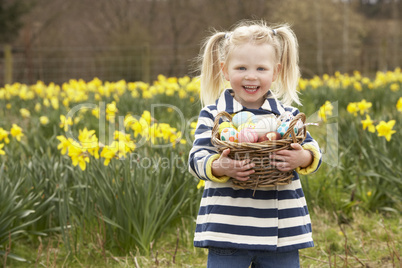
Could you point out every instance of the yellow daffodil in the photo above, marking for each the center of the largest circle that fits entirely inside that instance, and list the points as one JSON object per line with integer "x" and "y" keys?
{"x": 116, "y": 97}
{"x": 182, "y": 94}
{"x": 38, "y": 107}
{"x": 77, "y": 119}
{"x": 1, "y": 147}
{"x": 16, "y": 132}
{"x": 325, "y": 110}
{"x": 135, "y": 94}
{"x": 140, "y": 127}
{"x": 303, "y": 84}
{"x": 23, "y": 92}
{"x": 193, "y": 126}
{"x": 357, "y": 75}
{"x": 366, "y": 81}
{"x": 143, "y": 86}
{"x": 352, "y": 108}
{"x": 357, "y": 81}
{"x": 394, "y": 87}
{"x": 85, "y": 135}
{"x": 129, "y": 120}
{"x": 184, "y": 80}
{"x": 385, "y": 129}
{"x": 66, "y": 103}
{"x": 109, "y": 152}
{"x": 4, "y": 135}
{"x": 119, "y": 135}
{"x": 64, "y": 144}
{"x": 54, "y": 102}
{"x": 46, "y": 102}
{"x": 96, "y": 112}
{"x": 94, "y": 151}
{"x": 44, "y": 120}
{"x": 201, "y": 184}
{"x": 147, "y": 116}
{"x": 176, "y": 138}
{"x": 399, "y": 105}
{"x": 25, "y": 113}
{"x": 147, "y": 95}
{"x": 89, "y": 141}
{"x": 368, "y": 123}
{"x": 65, "y": 122}
{"x": 364, "y": 106}
{"x": 111, "y": 111}
{"x": 98, "y": 97}
{"x": 123, "y": 149}
{"x": 125, "y": 144}
{"x": 78, "y": 155}
{"x": 357, "y": 86}
{"x": 2, "y": 93}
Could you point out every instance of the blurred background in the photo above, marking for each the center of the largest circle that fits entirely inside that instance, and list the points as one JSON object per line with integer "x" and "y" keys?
{"x": 56, "y": 40}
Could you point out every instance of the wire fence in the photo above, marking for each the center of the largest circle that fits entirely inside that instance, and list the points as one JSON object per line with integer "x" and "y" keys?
{"x": 145, "y": 63}
{"x": 109, "y": 64}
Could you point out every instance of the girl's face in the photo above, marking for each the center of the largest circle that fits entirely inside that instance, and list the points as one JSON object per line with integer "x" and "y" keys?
{"x": 251, "y": 71}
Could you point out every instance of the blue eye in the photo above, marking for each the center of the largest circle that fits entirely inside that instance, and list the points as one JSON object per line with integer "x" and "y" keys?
{"x": 242, "y": 68}
{"x": 260, "y": 69}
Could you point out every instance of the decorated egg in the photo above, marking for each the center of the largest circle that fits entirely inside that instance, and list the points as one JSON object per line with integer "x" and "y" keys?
{"x": 229, "y": 134}
{"x": 248, "y": 135}
{"x": 246, "y": 125}
{"x": 265, "y": 125}
{"x": 243, "y": 117}
{"x": 286, "y": 116}
{"x": 299, "y": 125}
{"x": 270, "y": 136}
{"x": 284, "y": 127}
{"x": 225, "y": 125}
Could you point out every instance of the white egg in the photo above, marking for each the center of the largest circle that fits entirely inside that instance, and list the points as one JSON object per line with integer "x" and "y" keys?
{"x": 265, "y": 125}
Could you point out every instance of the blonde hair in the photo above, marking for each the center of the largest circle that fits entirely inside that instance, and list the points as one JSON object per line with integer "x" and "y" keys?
{"x": 218, "y": 47}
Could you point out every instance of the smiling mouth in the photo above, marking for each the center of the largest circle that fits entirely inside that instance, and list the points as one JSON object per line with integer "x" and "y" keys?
{"x": 251, "y": 89}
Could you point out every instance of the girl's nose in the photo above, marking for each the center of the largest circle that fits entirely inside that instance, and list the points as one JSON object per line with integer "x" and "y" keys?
{"x": 250, "y": 76}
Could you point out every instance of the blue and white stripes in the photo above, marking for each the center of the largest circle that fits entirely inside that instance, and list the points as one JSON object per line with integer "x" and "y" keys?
{"x": 274, "y": 219}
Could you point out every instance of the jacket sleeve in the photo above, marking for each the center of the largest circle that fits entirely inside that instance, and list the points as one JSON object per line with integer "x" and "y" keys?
{"x": 310, "y": 144}
{"x": 203, "y": 153}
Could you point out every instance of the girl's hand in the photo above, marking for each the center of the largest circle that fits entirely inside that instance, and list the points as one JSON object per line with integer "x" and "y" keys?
{"x": 238, "y": 169}
{"x": 286, "y": 160}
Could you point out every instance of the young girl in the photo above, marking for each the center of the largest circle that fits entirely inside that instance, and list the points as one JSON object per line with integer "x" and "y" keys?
{"x": 238, "y": 226}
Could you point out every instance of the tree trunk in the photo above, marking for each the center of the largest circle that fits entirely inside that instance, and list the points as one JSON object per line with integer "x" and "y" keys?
{"x": 345, "y": 36}
{"x": 318, "y": 28}
{"x": 8, "y": 64}
{"x": 396, "y": 34}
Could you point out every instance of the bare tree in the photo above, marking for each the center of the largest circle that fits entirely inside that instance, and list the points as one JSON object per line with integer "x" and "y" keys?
{"x": 333, "y": 35}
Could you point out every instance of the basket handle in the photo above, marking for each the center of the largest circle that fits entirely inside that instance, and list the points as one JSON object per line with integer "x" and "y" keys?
{"x": 215, "y": 129}
{"x": 291, "y": 131}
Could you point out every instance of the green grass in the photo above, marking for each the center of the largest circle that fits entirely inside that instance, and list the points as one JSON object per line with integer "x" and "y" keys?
{"x": 366, "y": 241}
{"x": 60, "y": 216}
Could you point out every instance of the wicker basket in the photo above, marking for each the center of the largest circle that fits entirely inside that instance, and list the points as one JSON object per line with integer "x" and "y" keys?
{"x": 265, "y": 174}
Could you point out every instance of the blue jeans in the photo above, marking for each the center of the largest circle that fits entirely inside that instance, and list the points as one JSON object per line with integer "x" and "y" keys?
{"x": 237, "y": 258}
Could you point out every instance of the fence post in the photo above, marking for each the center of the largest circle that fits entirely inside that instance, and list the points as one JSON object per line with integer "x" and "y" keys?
{"x": 8, "y": 64}
{"x": 146, "y": 64}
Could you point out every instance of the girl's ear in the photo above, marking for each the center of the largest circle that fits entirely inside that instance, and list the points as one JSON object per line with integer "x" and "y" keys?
{"x": 225, "y": 71}
{"x": 277, "y": 70}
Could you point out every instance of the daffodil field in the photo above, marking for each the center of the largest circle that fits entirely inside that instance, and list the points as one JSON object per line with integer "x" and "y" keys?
{"x": 106, "y": 162}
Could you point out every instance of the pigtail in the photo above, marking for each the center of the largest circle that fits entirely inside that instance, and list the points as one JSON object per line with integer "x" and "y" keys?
{"x": 289, "y": 73}
{"x": 212, "y": 81}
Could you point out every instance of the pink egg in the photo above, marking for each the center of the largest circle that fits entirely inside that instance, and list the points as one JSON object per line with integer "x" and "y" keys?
{"x": 248, "y": 135}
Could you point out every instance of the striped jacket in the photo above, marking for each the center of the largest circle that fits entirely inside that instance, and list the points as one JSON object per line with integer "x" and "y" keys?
{"x": 274, "y": 219}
